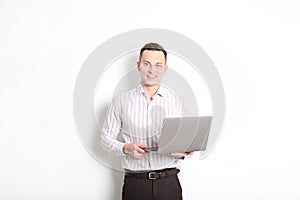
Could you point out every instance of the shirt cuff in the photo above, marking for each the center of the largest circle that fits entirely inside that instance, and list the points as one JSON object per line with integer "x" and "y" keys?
{"x": 121, "y": 152}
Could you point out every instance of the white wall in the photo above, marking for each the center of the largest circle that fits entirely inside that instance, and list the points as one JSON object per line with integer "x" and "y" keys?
{"x": 254, "y": 45}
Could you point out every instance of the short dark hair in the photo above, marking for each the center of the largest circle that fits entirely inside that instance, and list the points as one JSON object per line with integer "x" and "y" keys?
{"x": 153, "y": 47}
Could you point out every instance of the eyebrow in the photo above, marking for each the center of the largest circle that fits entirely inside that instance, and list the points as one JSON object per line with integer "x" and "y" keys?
{"x": 154, "y": 63}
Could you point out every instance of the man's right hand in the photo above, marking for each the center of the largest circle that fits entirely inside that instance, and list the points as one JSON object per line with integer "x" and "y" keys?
{"x": 135, "y": 150}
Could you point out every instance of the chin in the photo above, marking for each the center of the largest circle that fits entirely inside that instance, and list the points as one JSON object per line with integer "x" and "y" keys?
{"x": 151, "y": 83}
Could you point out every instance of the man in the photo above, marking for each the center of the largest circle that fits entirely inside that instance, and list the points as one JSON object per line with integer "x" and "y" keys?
{"x": 137, "y": 115}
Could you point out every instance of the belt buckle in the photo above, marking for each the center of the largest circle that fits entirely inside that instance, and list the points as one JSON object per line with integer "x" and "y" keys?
{"x": 150, "y": 177}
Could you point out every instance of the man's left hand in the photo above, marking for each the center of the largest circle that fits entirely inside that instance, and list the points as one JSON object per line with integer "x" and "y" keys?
{"x": 181, "y": 155}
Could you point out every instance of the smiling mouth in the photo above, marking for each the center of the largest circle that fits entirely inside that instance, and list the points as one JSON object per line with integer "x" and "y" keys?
{"x": 151, "y": 77}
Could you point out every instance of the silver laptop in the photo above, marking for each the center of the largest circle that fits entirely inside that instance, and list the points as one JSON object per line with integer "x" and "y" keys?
{"x": 183, "y": 134}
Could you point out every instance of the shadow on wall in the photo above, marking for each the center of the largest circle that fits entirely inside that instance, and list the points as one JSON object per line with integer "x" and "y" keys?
{"x": 128, "y": 81}
{"x": 111, "y": 161}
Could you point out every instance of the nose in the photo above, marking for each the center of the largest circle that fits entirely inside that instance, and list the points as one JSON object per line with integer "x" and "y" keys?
{"x": 151, "y": 69}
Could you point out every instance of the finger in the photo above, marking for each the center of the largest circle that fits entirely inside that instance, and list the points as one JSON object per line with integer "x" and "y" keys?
{"x": 138, "y": 155}
{"x": 139, "y": 150}
{"x": 140, "y": 145}
{"x": 177, "y": 155}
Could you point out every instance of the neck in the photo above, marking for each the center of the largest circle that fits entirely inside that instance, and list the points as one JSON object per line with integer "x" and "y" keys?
{"x": 150, "y": 90}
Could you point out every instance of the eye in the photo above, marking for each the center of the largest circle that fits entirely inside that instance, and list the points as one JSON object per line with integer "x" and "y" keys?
{"x": 146, "y": 64}
{"x": 159, "y": 65}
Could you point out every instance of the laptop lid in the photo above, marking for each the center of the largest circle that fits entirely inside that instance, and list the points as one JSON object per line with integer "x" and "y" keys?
{"x": 184, "y": 134}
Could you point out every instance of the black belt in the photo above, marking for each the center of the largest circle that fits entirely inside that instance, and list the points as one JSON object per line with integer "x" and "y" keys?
{"x": 154, "y": 174}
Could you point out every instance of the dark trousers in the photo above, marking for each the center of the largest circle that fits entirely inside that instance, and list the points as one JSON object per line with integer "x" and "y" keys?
{"x": 166, "y": 188}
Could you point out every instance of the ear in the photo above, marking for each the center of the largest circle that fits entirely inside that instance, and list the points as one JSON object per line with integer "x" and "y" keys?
{"x": 138, "y": 65}
{"x": 166, "y": 68}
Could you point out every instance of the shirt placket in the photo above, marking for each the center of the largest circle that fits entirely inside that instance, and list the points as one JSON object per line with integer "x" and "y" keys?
{"x": 148, "y": 128}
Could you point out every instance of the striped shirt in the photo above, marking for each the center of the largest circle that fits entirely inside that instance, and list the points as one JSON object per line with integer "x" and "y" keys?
{"x": 138, "y": 119}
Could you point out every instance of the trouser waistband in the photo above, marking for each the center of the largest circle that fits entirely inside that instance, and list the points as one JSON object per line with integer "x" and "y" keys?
{"x": 156, "y": 174}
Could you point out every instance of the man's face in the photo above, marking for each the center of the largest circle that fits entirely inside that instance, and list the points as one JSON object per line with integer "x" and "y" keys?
{"x": 152, "y": 67}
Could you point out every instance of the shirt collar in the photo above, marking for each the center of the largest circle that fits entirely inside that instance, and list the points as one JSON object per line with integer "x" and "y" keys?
{"x": 161, "y": 90}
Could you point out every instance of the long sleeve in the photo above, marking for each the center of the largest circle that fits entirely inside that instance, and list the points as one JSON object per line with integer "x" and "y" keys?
{"x": 111, "y": 129}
